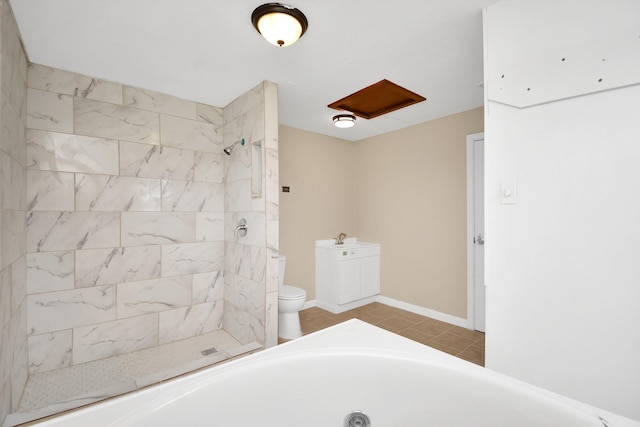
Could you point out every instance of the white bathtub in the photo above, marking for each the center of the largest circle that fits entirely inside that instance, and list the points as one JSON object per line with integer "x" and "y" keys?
{"x": 319, "y": 379}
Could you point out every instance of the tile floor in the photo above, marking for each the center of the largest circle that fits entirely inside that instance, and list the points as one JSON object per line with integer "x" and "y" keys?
{"x": 461, "y": 342}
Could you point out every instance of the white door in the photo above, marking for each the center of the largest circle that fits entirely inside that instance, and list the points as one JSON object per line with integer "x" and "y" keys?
{"x": 475, "y": 233}
{"x": 478, "y": 259}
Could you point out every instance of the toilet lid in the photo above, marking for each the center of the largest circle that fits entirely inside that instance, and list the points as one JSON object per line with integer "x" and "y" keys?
{"x": 291, "y": 292}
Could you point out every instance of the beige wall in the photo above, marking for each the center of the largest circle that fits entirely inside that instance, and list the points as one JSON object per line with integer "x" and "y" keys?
{"x": 405, "y": 189}
{"x": 411, "y": 197}
{"x": 320, "y": 173}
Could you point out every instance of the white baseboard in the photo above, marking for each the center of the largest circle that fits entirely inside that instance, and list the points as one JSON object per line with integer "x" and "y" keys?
{"x": 448, "y": 318}
{"x": 309, "y": 304}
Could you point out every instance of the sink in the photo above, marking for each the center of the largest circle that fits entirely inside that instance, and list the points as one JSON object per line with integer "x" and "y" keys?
{"x": 349, "y": 243}
{"x": 352, "y": 245}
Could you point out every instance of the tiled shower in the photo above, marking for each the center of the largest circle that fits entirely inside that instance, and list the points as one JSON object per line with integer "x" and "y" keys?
{"x": 118, "y": 217}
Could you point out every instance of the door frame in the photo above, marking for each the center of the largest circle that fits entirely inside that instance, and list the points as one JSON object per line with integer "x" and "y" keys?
{"x": 471, "y": 290}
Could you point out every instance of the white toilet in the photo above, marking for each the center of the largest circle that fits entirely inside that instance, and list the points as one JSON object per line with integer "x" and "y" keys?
{"x": 290, "y": 301}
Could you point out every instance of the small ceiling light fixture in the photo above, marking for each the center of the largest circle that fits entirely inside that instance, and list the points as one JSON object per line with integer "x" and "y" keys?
{"x": 279, "y": 24}
{"x": 344, "y": 120}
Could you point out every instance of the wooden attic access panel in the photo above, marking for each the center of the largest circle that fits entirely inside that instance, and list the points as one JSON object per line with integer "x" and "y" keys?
{"x": 378, "y": 99}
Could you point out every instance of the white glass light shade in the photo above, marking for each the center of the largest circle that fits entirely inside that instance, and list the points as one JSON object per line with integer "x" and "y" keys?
{"x": 344, "y": 120}
{"x": 280, "y": 29}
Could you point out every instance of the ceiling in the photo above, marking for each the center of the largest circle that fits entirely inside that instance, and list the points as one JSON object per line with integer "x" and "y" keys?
{"x": 208, "y": 51}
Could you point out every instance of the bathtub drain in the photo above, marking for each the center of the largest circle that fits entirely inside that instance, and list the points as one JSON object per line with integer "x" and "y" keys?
{"x": 357, "y": 419}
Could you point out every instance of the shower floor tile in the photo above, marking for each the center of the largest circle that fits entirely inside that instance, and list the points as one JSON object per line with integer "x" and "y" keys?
{"x": 460, "y": 342}
{"x": 100, "y": 379}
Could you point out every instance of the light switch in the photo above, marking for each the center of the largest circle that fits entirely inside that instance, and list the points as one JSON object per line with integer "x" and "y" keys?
{"x": 508, "y": 193}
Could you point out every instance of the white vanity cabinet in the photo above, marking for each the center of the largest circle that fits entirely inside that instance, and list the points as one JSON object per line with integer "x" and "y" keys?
{"x": 347, "y": 275}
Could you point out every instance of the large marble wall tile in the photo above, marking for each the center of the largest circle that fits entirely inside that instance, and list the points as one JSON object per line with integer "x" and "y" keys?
{"x": 154, "y": 161}
{"x": 209, "y": 226}
{"x": 257, "y": 326}
{"x": 208, "y": 287}
{"x": 116, "y": 193}
{"x": 68, "y": 83}
{"x": 55, "y": 231}
{"x": 209, "y": 167}
{"x": 19, "y": 376}
{"x": 159, "y": 102}
{"x": 142, "y": 228}
{"x": 12, "y": 183}
{"x": 50, "y": 191}
{"x": 190, "y": 196}
{"x": 191, "y": 258}
{"x": 12, "y": 132}
{"x": 18, "y": 283}
{"x": 4, "y": 187}
{"x": 237, "y": 323}
{"x": 57, "y": 311}
{"x": 271, "y": 338}
{"x": 238, "y": 259}
{"x": 50, "y": 271}
{"x": 12, "y": 230}
{"x": 101, "y": 119}
{"x": 210, "y": 114}
{"x": 49, "y": 111}
{"x": 258, "y": 264}
{"x": 249, "y": 126}
{"x": 271, "y": 120}
{"x": 272, "y": 185}
{"x": 49, "y": 351}
{"x": 256, "y": 224}
{"x": 150, "y": 296}
{"x": 71, "y": 153}
{"x": 5, "y": 298}
{"x": 14, "y": 62}
{"x": 113, "y": 338}
{"x": 245, "y": 102}
{"x": 190, "y": 321}
{"x": 18, "y": 341}
{"x": 5, "y": 397}
{"x": 190, "y": 134}
{"x": 239, "y": 165}
{"x": 243, "y": 325}
{"x": 145, "y": 228}
{"x": 18, "y": 345}
{"x": 96, "y": 267}
{"x": 273, "y": 235}
{"x": 6, "y": 357}
{"x": 237, "y": 196}
{"x": 272, "y": 270}
{"x": 245, "y": 294}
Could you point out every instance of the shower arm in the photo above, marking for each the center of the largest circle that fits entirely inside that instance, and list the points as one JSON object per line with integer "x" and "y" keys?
{"x": 230, "y": 148}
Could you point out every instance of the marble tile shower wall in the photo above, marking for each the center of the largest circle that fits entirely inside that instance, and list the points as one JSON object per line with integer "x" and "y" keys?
{"x": 13, "y": 308}
{"x": 251, "y": 262}
{"x": 125, "y": 219}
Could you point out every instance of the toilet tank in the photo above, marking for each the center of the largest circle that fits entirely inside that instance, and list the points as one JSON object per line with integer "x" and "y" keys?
{"x": 283, "y": 265}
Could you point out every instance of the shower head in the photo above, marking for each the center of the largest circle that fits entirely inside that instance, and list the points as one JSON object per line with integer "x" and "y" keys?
{"x": 230, "y": 148}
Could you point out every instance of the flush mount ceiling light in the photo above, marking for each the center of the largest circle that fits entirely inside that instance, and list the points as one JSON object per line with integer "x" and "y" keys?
{"x": 279, "y": 24}
{"x": 344, "y": 120}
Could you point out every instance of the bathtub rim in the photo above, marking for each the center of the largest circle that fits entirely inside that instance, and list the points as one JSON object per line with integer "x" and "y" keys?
{"x": 352, "y": 337}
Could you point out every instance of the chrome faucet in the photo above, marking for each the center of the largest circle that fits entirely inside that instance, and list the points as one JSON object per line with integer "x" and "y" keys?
{"x": 340, "y": 238}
